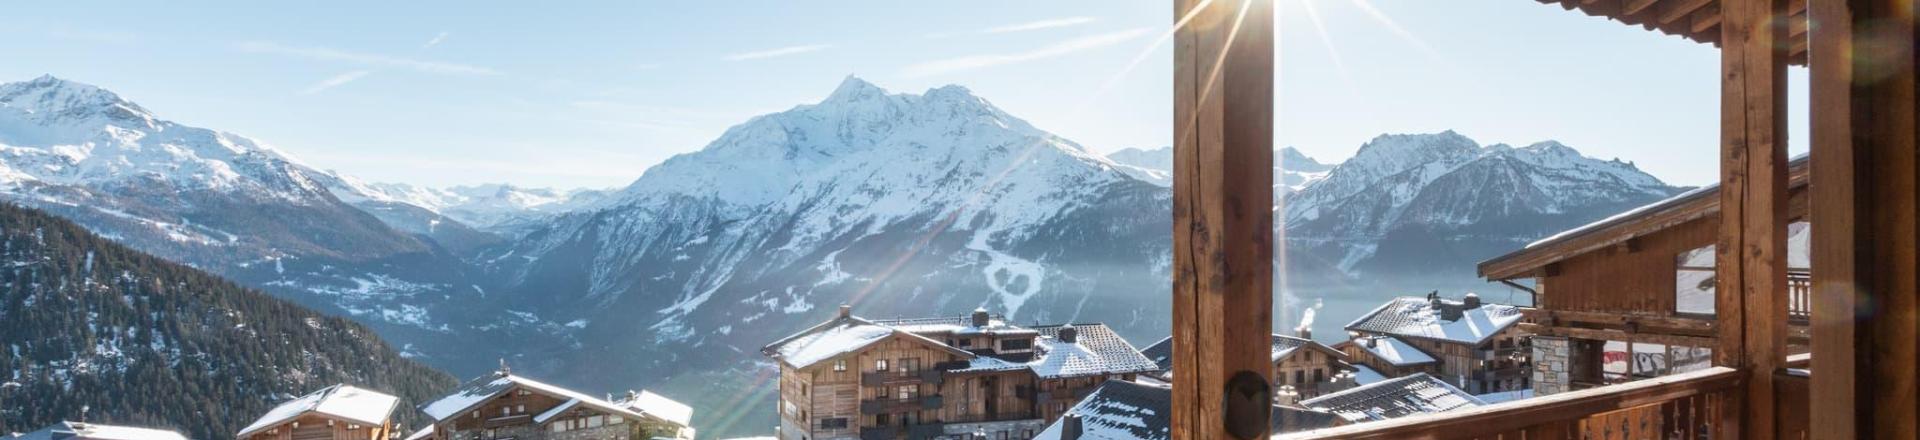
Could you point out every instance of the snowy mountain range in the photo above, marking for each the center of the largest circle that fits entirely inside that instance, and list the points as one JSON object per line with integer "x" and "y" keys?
{"x": 900, "y": 204}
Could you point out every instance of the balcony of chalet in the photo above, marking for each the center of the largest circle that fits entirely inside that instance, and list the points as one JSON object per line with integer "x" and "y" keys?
{"x": 1779, "y": 332}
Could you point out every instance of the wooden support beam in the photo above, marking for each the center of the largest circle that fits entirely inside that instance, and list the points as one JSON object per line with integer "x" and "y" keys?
{"x": 1865, "y": 269}
{"x": 1672, "y": 10}
{"x": 1752, "y": 250}
{"x": 1222, "y": 219}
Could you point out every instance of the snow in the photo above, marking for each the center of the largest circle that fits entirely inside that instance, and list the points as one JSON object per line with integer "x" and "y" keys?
{"x": 422, "y": 434}
{"x": 94, "y": 431}
{"x": 660, "y": 406}
{"x": 1364, "y": 375}
{"x": 843, "y": 338}
{"x": 1418, "y": 317}
{"x": 556, "y": 411}
{"x": 1505, "y": 396}
{"x": 1393, "y": 350}
{"x": 465, "y": 398}
{"x": 338, "y": 401}
{"x": 495, "y": 384}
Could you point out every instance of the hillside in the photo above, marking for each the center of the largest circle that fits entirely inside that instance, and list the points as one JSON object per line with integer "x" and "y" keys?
{"x": 88, "y": 322}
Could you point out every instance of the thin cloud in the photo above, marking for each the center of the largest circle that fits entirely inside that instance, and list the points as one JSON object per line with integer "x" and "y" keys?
{"x": 1038, "y": 25}
{"x": 780, "y": 52}
{"x": 435, "y": 41}
{"x": 1068, "y": 47}
{"x": 330, "y": 54}
{"x": 335, "y": 81}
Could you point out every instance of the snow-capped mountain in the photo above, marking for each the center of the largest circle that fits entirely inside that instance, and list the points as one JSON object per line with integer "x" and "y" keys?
{"x": 494, "y": 207}
{"x": 228, "y": 204}
{"x": 1408, "y": 204}
{"x": 1292, "y": 170}
{"x": 897, "y": 203}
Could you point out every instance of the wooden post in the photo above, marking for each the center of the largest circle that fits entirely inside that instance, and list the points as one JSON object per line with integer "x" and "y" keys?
{"x": 1865, "y": 218}
{"x": 1222, "y": 218}
{"x": 1751, "y": 254}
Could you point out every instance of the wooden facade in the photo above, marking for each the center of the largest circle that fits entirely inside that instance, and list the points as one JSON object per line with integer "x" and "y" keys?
{"x": 1311, "y": 369}
{"x": 937, "y": 378}
{"x": 514, "y": 407}
{"x": 321, "y": 427}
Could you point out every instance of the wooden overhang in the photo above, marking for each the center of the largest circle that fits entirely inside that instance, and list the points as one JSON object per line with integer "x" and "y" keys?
{"x": 1697, "y": 20}
{"x": 1534, "y": 259}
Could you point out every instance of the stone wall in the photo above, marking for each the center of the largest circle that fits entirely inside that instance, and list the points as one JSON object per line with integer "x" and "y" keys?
{"x": 1550, "y": 363}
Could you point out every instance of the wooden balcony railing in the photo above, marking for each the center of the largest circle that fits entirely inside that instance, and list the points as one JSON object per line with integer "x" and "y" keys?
{"x": 1681, "y": 406}
{"x": 1799, "y": 297}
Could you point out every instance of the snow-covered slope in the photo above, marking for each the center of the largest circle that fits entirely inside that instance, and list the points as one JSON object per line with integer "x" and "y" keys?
{"x": 1446, "y": 197}
{"x": 228, "y": 204}
{"x": 494, "y": 207}
{"x": 899, "y": 203}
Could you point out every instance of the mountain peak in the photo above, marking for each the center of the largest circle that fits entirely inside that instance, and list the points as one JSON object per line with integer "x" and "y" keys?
{"x": 855, "y": 89}
{"x": 49, "y": 96}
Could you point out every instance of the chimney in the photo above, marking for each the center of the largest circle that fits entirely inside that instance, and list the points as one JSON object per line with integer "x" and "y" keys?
{"x": 1472, "y": 301}
{"x": 632, "y": 395}
{"x": 846, "y": 310}
{"x": 1070, "y": 427}
{"x": 504, "y": 369}
{"x": 1286, "y": 396}
{"x": 980, "y": 318}
{"x": 1304, "y": 332}
{"x": 1068, "y": 334}
{"x": 1433, "y": 299}
{"x": 1368, "y": 341}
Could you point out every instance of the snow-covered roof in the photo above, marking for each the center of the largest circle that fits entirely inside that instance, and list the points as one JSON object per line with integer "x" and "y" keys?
{"x": 1124, "y": 410}
{"x": 1096, "y": 350}
{"x": 422, "y": 433}
{"x": 342, "y": 401}
{"x": 1365, "y": 375}
{"x": 1393, "y": 350}
{"x": 1430, "y": 319}
{"x": 495, "y": 384}
{"x": 95, "y": 431}
{"x": 661, "y": 407}
{"x": 842, "y": 335}
{"x": 556, "y": 411}
{"x": 1161, "y": 353}
{"x": 958, "y": 325}
{"x": 1505, "y": 396}
{"x": 1394, "y": 398}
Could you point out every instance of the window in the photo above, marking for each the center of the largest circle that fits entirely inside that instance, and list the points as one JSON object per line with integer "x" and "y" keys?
{"x": 1299, "y": 376}
{"x": 1026, "y": 435}
{"x": 522, "y": 409}
{"x": 908, "y": 392}
{"x": 966, "y": 342}
{"x": 1016, "y": 344}
{"x": 880, "y": 365}
{"x": 881, "y": 419}
{"x": 1002, "y": 435}
{"x": 506, "y": 411}
{"x": 1319, "y": 375}
{"x": 834, "y": 423}
{"x": 595, "y": 421}
{"x": 909, "y": 365}
{"x": 558, "y": 427}
{"x": 1693, "y": 281}
{"x": 840, "y": 365}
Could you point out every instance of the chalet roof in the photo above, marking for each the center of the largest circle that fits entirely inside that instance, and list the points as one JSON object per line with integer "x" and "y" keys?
{"x": 1393, "y": 350}
{"x": 491, "y": 385}
{"x": 1161, "y": 353}
{"x": 343, "y": 402}
{"x": 1096, "y": 350}
{"x": 95, "y": 431}
{"x": 422, "y": 433}
{"x": 1394, "y": 398}
{"x": 957, "y": 325}
{"x": 1437, "y": 319}
{"x": 1697, "y": 20}
{"x": 1646, "y": 219}
{"x": 1124, "y": 410}
{"x": 660, "y": 406}
{"x": 1365, "y": 375}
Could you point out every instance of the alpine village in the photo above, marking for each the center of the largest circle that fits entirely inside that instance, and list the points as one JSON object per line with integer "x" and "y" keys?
{"x": 1699, "y": 315}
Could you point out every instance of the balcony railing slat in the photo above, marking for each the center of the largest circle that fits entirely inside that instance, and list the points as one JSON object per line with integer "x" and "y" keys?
{"x": 1631, "y": 410}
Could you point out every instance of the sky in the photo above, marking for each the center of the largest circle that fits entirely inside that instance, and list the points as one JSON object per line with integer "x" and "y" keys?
{"x": 591, "y": 94}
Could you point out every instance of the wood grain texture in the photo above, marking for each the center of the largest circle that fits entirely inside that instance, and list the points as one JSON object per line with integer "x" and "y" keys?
{"x": 1752, "y": 250}
{"x": 1222, "y": 206}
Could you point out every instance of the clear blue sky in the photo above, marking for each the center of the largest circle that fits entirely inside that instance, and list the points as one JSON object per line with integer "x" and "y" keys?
{"x": 445, "y": 93}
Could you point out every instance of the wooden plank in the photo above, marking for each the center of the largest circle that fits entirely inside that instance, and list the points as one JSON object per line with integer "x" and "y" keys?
{"x": 1223, "y": 213}
{"x": 1526, "y": 414}
{"x": 1751, "y": 256}
{"x": 1864, "y": 118}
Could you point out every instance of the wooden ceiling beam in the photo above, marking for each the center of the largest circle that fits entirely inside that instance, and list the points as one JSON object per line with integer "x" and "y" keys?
{"x": 1635, "y": 7}
{"x": 1673, "y": 10}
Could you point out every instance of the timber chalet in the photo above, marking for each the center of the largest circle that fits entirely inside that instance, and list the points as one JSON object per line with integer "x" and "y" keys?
{"x": 1632, "y": 296}
{"x": 501, "y": 405}
{"x": 1468, "y": 343}
{"x": 943, "y": 377}
{"x": 1307, "y": 368}
{"x": 338, "y": 412}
